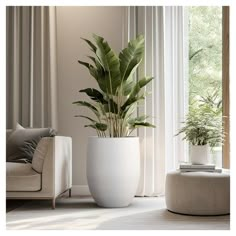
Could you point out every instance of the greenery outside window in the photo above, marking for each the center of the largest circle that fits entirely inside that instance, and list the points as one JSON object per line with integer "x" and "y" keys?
{"x": 205, "y": 62}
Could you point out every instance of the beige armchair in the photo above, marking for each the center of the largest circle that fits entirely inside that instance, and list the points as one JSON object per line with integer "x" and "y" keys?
{"x": 49, "y": 175}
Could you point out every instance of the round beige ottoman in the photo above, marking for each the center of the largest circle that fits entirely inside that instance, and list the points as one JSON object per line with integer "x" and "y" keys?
{"x": 198, "y": 193}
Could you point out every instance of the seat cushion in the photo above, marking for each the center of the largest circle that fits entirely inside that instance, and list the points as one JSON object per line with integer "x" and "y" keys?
{"x": 21, "y": 177}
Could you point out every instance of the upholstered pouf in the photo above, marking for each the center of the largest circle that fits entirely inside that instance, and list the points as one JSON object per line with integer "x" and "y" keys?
{"x": 198, "y": 193}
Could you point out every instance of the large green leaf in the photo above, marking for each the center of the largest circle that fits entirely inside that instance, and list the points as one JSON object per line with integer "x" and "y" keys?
{"x": 98, "y": 126}
{"x": 127, "y": 87}
{"x": 92, "y": 46}
{"x": 97, "y": 64}
{"x": 99, "y": 74}
{"x": 133, "y": 97}
{"x": 111, "y": 106}
{"x": 131, "y": 57}
{"x": 133, "y": 104}
{"x": 92, "y": 70}
{"x": 110, "y": 63}
{"x": 137, "y": 119}
{"x": 141, "y": 124}
{"x": 94, "y": 94}
{"x": 86, "y": 64}
{"x": 88, "y": 105}
{"x": 88, "y": 118}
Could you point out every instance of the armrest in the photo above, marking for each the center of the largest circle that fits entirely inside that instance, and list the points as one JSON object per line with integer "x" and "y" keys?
{"x": 62, "y": 164}
{"x": 57, "y": 167}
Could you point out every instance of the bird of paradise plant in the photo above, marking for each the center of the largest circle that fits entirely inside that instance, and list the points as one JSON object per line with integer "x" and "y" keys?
{"x": 114, "y": 103}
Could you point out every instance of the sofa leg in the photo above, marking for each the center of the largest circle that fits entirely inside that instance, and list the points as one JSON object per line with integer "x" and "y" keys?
{"x": 70, "y": 192}
{"x": 53, "y": 203}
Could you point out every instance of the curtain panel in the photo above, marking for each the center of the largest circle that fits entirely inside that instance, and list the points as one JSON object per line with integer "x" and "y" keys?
{"x": 31, "y": 67}
{"x": 165, "y": 59}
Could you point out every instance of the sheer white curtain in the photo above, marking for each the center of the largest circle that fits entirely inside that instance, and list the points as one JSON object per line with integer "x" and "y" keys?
{"x": 31, "y": 67}
{"x": 166, "y": 60}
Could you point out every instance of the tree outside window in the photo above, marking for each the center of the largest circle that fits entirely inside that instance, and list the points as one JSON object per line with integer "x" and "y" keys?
{"x": 205, "y": 62}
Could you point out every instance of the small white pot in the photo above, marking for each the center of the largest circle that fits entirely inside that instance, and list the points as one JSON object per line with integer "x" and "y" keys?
{"x": 200, "y": 154}
{"x": 113, "y": 169}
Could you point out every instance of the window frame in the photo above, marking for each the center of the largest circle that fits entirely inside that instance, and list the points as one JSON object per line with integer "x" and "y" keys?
{"x": 225, "y": 86}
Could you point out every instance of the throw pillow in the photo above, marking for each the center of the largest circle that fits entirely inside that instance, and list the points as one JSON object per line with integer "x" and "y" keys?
{"x": 22, "y": 142}
{"x": 39, "y": 154}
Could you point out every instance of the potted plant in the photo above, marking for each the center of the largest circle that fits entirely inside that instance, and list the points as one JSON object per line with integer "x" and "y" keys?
{"x": 113, "y": 155}
{"x": 203, "y": 128}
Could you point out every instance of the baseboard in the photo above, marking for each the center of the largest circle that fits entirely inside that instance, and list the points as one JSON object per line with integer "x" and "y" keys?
{"x": 80, "y": 190}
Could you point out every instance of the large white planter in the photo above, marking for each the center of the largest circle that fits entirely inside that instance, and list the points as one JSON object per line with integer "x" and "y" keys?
{"x": 113, "y": 168}
{"x": 200, "y": 154}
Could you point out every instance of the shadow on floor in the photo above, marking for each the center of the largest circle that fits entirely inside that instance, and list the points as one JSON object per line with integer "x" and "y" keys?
{"x": 70, "y": 203}
{"x": 13, "y": 204}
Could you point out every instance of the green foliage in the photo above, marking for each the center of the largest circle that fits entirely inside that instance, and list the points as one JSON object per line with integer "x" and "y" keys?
{"x": 205, "y": 51}
{"x": 203, "y": 124}
{"x": 119, "y": 93}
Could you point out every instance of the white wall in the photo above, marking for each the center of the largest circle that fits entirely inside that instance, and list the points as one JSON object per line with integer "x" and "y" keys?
{"x": 73, "y": 23}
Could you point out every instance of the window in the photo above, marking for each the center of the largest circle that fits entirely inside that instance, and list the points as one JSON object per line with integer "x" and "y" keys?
{"x": 205, "y": 62}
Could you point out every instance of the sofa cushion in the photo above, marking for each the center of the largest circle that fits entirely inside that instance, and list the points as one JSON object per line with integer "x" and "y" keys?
{"x": 22, "y": 142}
{"x": 39, "y": 154}
{"x": 21, "y": 177}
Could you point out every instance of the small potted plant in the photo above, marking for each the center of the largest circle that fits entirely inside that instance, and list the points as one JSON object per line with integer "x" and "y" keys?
{"x": 113, "y": 155}
{"x": 203, "y": 129}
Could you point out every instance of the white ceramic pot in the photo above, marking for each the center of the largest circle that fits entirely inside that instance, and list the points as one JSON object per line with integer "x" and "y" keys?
{"x": 113, "y": 168}
{"x": 200, "y": 154}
